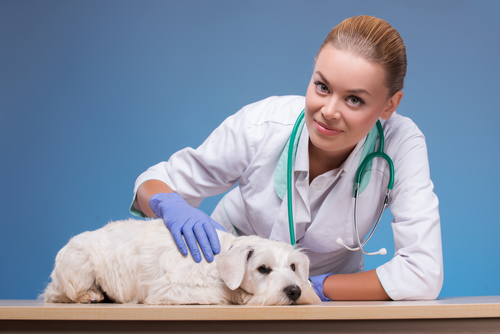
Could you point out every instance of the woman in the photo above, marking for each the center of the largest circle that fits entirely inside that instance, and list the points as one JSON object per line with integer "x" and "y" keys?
{"x": 357, "y": 80}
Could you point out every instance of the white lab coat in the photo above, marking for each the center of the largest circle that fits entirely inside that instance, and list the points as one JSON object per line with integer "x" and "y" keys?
{"x": 244, "y": 150}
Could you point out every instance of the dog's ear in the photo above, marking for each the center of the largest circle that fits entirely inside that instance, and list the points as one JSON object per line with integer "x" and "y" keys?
{"x": 301, "y": 262}
{"x": 231, "y": 265}
{"x": 303, "y": 269}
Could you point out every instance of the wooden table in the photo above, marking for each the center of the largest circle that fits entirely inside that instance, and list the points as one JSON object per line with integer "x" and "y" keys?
{"x": 446, "y": 315}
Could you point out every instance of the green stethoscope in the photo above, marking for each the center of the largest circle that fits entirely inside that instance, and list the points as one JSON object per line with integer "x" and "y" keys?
{"x": 357, "y": 181}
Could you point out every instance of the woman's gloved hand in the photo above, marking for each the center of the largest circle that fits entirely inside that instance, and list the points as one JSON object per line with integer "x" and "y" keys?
{"x": 182, "y": 219}
{"x": 318, "y": 286}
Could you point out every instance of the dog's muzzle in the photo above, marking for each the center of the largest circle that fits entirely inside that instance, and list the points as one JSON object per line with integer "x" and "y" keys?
{"x": 293, "y": 292}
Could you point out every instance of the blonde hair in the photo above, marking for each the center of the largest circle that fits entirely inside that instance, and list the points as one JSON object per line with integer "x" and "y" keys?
{"x": 376, "y": 41}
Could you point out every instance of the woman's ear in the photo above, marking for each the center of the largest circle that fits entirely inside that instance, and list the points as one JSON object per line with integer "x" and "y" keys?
{"x": 392, "y": 105}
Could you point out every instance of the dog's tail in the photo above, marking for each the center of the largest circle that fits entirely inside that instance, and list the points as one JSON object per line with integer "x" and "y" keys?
{"x": 53, "y": 294}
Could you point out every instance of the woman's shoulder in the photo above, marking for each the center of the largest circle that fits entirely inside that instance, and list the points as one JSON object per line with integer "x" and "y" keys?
{"x": 398, "y": 126}
{"x": 282, "y": 110}
{"x": 402, "y": 134}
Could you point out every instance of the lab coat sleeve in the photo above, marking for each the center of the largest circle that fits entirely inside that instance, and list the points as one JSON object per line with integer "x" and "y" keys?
{"x": 416, "y": 271}
{"x": 212, "y": 168}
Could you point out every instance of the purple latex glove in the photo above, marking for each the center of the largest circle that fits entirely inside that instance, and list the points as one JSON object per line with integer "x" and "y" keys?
{"x": 184, "y": 220}
{"x": 318, "y": 286}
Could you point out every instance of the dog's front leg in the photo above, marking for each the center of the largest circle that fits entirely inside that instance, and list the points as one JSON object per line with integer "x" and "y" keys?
{"x": 184, "y": 294}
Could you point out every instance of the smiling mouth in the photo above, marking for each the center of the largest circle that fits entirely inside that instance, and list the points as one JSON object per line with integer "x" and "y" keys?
{"x": 327, "y": 130}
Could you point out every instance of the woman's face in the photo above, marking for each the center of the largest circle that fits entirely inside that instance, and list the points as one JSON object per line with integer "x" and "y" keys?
{"x": 344, "y": 100}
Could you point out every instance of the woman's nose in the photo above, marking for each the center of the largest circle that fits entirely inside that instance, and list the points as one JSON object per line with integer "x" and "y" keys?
{"x": 331, "y": 109}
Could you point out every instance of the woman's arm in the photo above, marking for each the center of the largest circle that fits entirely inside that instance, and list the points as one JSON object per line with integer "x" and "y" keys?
{"x": 359, "y": 286}
{"x": 144, "y": 193}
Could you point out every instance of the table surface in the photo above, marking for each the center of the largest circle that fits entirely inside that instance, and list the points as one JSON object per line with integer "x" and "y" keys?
{"x": 443, "y": 308}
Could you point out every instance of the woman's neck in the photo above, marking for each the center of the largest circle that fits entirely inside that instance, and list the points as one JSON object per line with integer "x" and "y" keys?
{"x": 321, "y": 161}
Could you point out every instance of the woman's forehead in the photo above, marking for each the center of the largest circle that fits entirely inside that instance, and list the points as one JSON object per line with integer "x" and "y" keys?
{"x": 348, "y": 71}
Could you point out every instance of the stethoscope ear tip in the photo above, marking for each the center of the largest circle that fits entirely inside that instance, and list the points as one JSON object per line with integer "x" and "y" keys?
{"x": 383, "y": 251}
{"x": 339, "y": 241}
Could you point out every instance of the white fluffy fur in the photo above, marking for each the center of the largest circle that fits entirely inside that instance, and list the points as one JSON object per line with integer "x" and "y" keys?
{"x": 137, "y": 261}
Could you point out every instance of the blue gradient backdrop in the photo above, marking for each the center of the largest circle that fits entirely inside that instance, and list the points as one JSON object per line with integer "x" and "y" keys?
{"x": 94, "y": 92}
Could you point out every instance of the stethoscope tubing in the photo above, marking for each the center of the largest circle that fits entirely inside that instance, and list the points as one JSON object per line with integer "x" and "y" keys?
{"x": 289, "y": 173}
{"x": 357, "y": 180}
{"x": 382, "y": 251}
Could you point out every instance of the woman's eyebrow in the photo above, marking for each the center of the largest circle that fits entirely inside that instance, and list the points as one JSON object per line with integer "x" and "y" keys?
{"x": 323, "y": 78}
{"x": 355, "y": 91}
{"x": 358, "y": 91}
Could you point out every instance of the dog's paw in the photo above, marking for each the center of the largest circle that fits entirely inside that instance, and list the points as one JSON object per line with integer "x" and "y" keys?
{"x": 91, "y": 296}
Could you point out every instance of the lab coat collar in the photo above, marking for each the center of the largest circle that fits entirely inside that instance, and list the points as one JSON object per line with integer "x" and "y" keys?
{"x": 302, "y": 157}
{"x": 280, "y": 174}
{"x": 302, "y": 160}
{"x": 280, "y": 230}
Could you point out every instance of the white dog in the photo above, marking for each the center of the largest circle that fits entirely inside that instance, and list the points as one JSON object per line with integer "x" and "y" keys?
{"x": 136, "y": 261}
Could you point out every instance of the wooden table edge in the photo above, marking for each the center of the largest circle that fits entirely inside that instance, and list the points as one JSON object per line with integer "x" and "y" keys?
{"x": 440, "y": 309}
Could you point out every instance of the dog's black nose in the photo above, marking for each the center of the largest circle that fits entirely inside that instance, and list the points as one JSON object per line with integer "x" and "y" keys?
{"x": 293, "y": 292}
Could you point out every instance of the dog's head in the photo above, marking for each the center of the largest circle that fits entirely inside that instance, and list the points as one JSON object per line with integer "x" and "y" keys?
{"x": 273, "y": 272}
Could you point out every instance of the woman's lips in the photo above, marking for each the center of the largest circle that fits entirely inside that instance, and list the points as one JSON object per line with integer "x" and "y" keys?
{"x": 326, "y": 130}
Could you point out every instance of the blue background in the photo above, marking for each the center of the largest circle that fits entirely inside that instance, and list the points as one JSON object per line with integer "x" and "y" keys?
{"x": 92, "y": 93}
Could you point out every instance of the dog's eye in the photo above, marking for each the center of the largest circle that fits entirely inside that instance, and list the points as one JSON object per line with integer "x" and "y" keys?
{"x": 264, "y": 270}
{"x": 293, "y": 266}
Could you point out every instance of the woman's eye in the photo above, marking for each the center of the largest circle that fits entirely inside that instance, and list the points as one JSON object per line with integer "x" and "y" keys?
{"x": 293, "y": 266}
{"x": 321, "y": 87}
{"x": 264, "y": 269}
{"x": 354, "y": 100}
